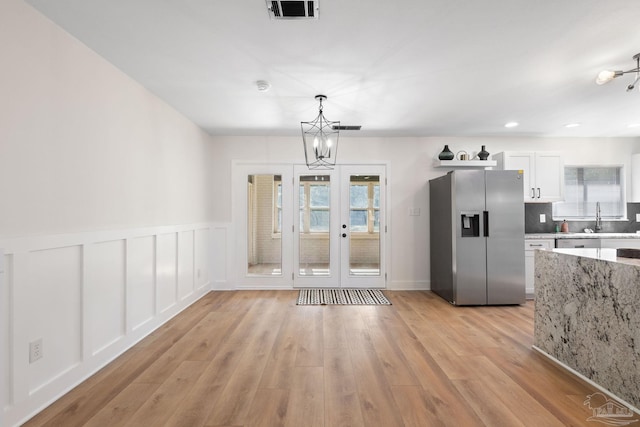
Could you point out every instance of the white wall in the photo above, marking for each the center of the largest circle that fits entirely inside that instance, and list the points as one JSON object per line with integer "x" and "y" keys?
{"x": 104, "y": 215}
{"x": 84, "y": 147}
{"x": 411, "y": 166}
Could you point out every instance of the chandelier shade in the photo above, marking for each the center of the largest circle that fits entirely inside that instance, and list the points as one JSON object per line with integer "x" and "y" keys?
{"x": 320, "y": 140}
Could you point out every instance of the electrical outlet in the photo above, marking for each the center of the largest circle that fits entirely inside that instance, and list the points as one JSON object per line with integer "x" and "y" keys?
{"x": 543, "y": 218}
{"x": 35, "y": 350}
{"x": 414, "y": 211}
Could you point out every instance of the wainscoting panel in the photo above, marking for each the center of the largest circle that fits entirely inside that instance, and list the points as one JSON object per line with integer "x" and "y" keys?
{"x": 106, "y": 287}
{"x": 202, "y": 237}
{"x": 166, "y": 266}
{"x": 141, "y": 279}
{"x": 53, "y": 294}
{"x": 89, "y": 297}
{"x": 186, "y": 263}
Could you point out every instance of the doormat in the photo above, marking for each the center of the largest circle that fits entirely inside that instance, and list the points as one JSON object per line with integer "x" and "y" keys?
{"x": 342, "y": 297}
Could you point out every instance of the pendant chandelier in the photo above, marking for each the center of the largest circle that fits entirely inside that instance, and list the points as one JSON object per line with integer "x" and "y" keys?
{"x": 320, "y": 139}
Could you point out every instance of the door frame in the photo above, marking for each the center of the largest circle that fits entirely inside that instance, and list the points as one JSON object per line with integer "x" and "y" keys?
{"x": 237, "y": 243}
{"x": 346, "y": 279}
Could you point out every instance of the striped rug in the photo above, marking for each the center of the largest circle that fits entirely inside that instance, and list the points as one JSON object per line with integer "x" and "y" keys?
{"x": 342, "y": 296}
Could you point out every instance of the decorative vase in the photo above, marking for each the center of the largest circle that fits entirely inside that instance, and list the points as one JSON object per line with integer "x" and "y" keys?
{"x": 483, "y": 154}
{"x": 446, "y": 154}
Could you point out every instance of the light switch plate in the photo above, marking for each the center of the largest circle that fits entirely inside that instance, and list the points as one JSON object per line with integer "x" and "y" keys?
{"x": 638, "y": 217}
{"x": 543, "y": 218}
{"x": 414, "y": 211}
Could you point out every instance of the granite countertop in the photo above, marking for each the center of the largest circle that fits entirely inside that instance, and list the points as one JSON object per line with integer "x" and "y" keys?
{"x": 581, "y": 236}
{"x": 603, "y": 254}
{"x": 587, "y": 316}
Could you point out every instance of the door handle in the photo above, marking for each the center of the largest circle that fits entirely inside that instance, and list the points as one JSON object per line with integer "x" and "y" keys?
{"x": 344, "y": 234}
{"x": 485, "y": 215}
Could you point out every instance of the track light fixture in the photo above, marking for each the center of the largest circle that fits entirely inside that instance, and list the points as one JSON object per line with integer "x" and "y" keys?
{"x": 320, "y": 139}
{"x": 607, "y": 75}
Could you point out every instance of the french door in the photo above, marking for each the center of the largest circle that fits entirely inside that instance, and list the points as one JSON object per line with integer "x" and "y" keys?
{"x": 339, "y": 227}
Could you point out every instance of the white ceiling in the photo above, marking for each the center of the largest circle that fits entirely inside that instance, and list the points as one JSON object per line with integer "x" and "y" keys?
{"x": 398, "y": 68}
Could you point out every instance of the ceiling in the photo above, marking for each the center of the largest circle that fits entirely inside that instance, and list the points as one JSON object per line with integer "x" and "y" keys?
{"x": 398, "y": 68}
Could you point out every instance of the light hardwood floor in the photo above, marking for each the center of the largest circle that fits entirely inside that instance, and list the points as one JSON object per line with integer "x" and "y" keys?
{"x": 254, "y": 358}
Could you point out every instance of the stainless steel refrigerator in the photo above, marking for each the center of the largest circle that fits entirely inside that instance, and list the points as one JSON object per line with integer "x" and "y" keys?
{"x": 477, "y": 237}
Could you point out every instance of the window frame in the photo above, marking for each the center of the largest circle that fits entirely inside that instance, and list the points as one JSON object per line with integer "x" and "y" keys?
{"x": 370, "y": 209}
{"x": 306, "y": 209}
{"x": 557, "y": 216}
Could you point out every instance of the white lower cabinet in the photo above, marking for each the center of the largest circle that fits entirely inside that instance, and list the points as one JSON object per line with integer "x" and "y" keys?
{"x": 530, "y": 247}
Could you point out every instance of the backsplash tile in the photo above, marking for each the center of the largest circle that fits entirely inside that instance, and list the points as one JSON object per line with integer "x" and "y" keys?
{"x": 532, "y": 222}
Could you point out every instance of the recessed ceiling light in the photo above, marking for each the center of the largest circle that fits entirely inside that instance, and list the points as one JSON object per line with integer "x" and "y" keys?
{"x": 633, "y": 125}
{"x": 572, "y": 125}
{"x": 511, "y": 124}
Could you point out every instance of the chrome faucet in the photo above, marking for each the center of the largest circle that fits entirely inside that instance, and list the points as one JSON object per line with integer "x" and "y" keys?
{"x": 598, "y": 218}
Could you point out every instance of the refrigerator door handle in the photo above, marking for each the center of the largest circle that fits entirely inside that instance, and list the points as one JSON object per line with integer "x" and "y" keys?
{"x": 485, "y": 218}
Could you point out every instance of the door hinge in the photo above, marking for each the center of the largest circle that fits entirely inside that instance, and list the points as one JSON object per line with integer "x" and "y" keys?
{"x": 385, "y": 228}
{"x": 385, "y": 277}
{"x": 293, "y": 230}
{"x": 292, "y": 278}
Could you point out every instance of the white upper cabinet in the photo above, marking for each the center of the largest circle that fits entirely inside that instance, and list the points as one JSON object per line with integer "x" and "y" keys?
{"x": 543, "y": 173}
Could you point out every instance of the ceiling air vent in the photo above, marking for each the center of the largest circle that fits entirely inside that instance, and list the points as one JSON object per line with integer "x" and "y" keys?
{"x": 293, "y": 9}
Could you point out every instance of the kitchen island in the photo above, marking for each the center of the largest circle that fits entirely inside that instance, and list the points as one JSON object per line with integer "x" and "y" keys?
{"x": 587, "y": 316}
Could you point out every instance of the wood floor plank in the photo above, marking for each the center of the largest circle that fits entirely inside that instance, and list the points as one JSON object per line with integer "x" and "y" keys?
{"x": 342, "y": 404}
{"x": 120, "y": 410}
{"x": 310, "y": 346}
{"x": 233, "y": 405}
{"x": 394, "y": 363}
{"x": 255, "y": 358}
{"x": 376, "y": 398}
{"x": 333, "y": 328}
{"x": 306, "y": 398}
{"x": 162, "y": 403}
{"x": 269, "y": 408}
{"x": 492, "y": 412}
{"x": 279, "y": 369}
{"x": 418, "y": 409}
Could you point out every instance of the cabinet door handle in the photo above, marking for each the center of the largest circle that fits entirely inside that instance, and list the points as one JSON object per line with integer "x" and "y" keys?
{"x": 533, "y": 193}
{"x": 538, "y": 192}
{"x": 538, "y": 245}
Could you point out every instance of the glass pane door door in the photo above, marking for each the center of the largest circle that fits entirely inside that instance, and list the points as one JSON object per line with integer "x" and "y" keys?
{"x": 362, "y": 239}
{"x": 339, "y": 229}
{"x": 316, "y": 239}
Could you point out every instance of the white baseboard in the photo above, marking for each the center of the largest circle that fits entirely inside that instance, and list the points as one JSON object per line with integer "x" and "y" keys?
{"x": 407, "y": 285}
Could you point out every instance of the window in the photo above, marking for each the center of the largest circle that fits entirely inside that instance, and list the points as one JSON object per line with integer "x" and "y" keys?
{"x": 314, "y": 204}
{"x": 364, "y": 200}
{"x": 587, "y": 185}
